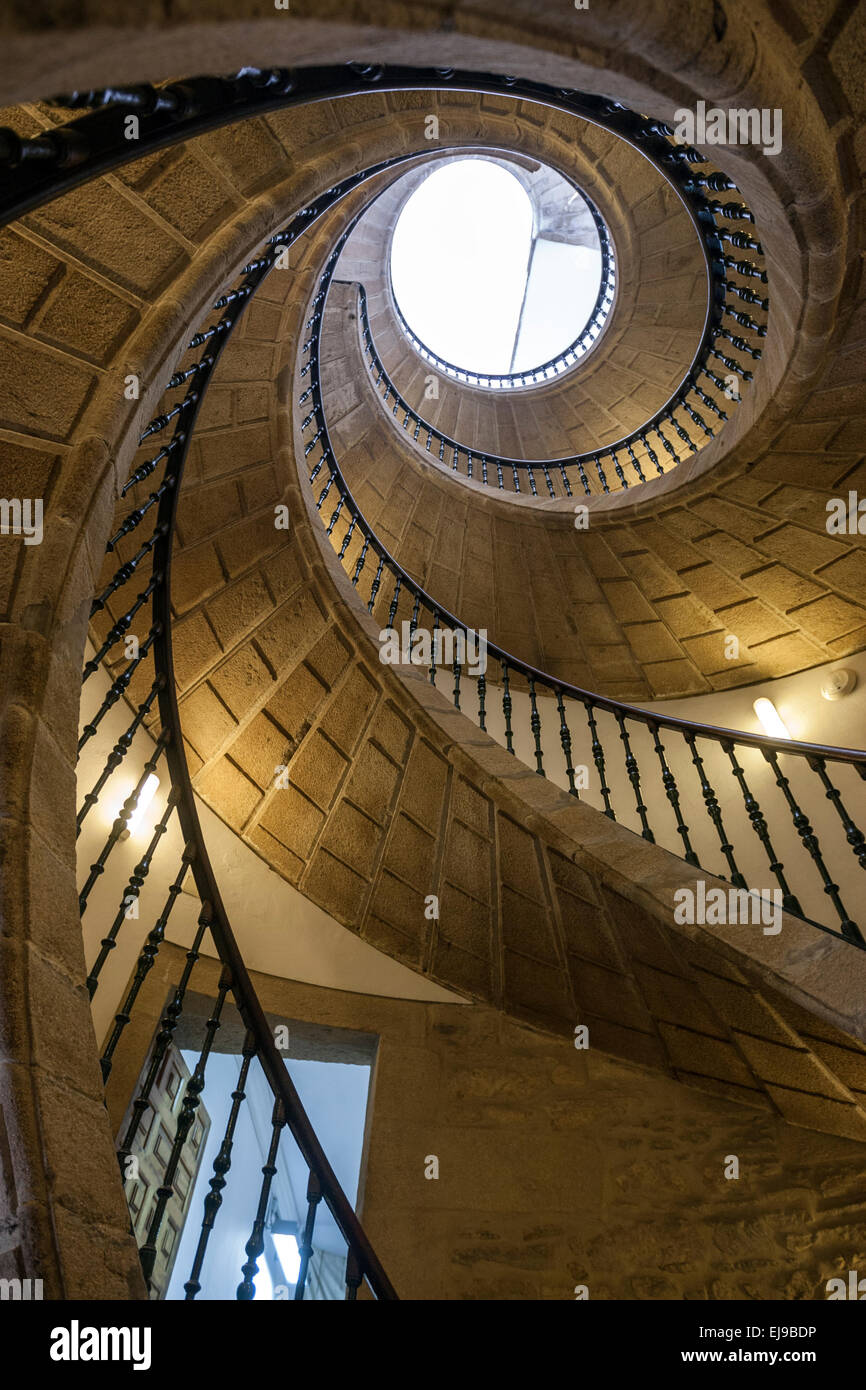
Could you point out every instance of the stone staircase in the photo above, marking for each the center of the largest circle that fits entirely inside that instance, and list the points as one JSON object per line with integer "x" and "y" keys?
{"x": 546, "y": 909}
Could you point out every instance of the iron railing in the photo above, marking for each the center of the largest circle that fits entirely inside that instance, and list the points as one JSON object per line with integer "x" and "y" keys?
{"x": 152, "y": 561}
{"x": 394, "y": 596}
{"x": 551, "y": 477}
{"x": 700, "y": 388}
{"x": 40, "y": 169}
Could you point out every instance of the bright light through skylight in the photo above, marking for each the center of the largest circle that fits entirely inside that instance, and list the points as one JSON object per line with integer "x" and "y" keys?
{"x": 458, "y": 263}
{"x": 475, "y": 280}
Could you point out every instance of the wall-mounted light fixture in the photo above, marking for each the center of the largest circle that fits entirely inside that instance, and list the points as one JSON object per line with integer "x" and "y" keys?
{"x": 773, "y": 723}
{"x": 145, "y": 796}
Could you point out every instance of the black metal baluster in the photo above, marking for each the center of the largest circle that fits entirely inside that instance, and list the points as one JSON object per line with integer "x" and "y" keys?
{"x": 456, "y": 668}
{"x": 633, "y": 772}
{"x": 669, "y": 783}
{"x": 652, "y": 455}
{"x": 632, "y": 455}
{"x": 714, "y": 812}
{"x": 682, "y": 433}
{"x": 482, "y": 691}
{"x": 747, "y": 295}
{"x": 305, "y": 1244}
{"x": 354, "y": 1275}
{"x": 137, "y": 515}
{"x": 740, "y": 343}
{"x": 161, "y": 422}
{"x": 853, "y": 834}
{"x": 812, "y": 845}
{"x": 221, "y": 1166}
{"x": 667, "y": 446}
{"x": 121, "y": 627}
{"x": 698, "y": 419}
{"x": 189, "y": 1106}
{"x": 745, "y": 320}
{"x": 126, "y": 571}
{"x": 256, "y": 1243}
{"x": 178, "y": 378}
{"x": 506, "y": 707}
{"x": 618, "y": 468}
{"x": 565, "y": 740}
{"x": 133, "y": 890}
{"x": 433, "y": 641}
{"x": 323, "y": 495}
{"x": 147, "y": 956}
{"x": 535, "y": 726}
{"x": 348, "y": 536}
{"x": 598, "y": 758}
{"x": 374, "y": 587}
{"x": 731, "y": 364}
{"x": 118, "y": 753}
{"x": 120, "y": 823}
{"x": 149, "y": 466}
{"x": 361, "y": 561}
{"x": 759, "y": 825}
{"x": 118, "y": 687}
{"x": 708, "y": 400}
{"x": 335, "y": 515}
{"x": 413, "y": 621}
{"x": 394, "y": 601}
{"x": 169, "y": 1023}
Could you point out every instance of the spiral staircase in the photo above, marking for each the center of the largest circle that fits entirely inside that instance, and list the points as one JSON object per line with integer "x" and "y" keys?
{"x": 208, "y": 380}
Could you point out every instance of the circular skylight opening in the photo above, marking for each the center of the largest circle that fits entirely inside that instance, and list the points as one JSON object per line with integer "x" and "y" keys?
{"x": 499, "y": 286}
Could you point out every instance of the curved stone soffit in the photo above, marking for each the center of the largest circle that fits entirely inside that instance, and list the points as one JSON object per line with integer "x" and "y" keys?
{"x": 677, "y": 578}
{"x": 49, "y": 591}
{"x": 648, "y": 605}
{"x": 649, "y": 339}
{"x": 547, "y": 910}
{"x": 653, "y": 61}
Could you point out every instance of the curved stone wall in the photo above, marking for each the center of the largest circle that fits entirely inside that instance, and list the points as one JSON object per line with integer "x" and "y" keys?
{"x": 393, "y": 796}
{"x": 639, "y": 609}
{"x": 68, "y": 430}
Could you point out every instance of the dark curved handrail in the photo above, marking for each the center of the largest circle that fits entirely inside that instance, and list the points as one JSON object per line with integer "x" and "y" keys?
{"x": 816, "y": 756}
{"x": 363, "y": 1262}
{"x": 507, "y": 468}
{"x": 247, "y": 1000}
{"x": 63, "y": 157}
{"x": 467, "y": 461}
{"x": 648, "y": 717}
{"x": 166, "y": 117}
